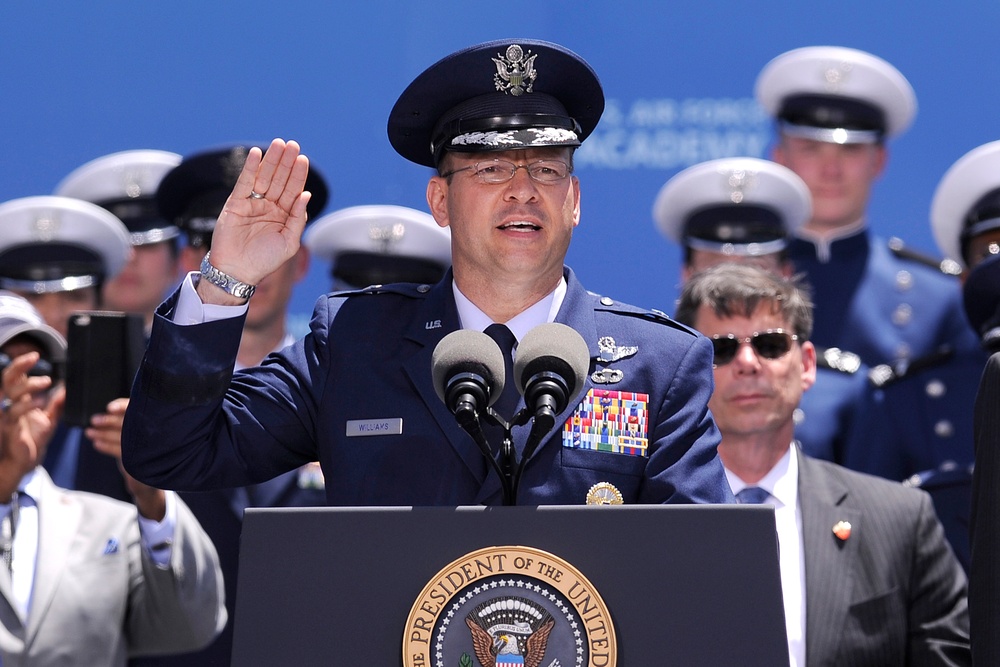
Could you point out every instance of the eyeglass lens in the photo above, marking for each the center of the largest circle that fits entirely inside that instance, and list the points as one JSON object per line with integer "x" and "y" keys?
{"x": 767, "y": 345}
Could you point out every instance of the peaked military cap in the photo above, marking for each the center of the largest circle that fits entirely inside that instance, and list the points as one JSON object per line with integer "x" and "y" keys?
{"x": 192, "y": 194}
{"x": 966, "y": 202}
{"x": 18, "y": 317}
{"x": 740, "y": 206}
{"x": 836, "y": 94}
{"x": 125, "y": 183}
{"x": 371, "y": 245}
{"x": 59, "y": 244}
{"x": 500, "y": 95}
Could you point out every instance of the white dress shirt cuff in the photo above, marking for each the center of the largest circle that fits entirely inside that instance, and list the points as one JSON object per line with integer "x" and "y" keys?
{"x": 158, "y": 536}
{"x": 190, "y": 309}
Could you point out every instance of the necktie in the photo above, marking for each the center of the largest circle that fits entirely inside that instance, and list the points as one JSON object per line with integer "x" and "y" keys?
{"x": 752, "y": 495}
{"x": 506, "y": 404}
{"x": 7, "y": 528}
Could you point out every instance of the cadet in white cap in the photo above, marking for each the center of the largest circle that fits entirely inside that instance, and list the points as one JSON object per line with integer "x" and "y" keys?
{"x": 834, "y": 109}
{"x": 57, "y": 252}
{"x": 376, "y": 245}
{"x": 739, "y": 208}
{"x": 125, "y": 183}
{"x": 746, "y": 210}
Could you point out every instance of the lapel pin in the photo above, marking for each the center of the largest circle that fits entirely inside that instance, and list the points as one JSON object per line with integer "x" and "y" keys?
{"x": 842, "y": 529}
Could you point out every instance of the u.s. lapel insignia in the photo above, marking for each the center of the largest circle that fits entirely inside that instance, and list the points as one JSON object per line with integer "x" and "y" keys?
{"x": 604, "y": 493}
{"x": 842, "y": 529}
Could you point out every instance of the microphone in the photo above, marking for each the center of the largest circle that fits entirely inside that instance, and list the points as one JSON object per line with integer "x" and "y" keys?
{"x": 550, "y": 370}
{"x": 467, "y": 368}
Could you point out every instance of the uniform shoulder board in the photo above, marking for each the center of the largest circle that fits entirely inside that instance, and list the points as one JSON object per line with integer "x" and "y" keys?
{"x": 949, "y": 267}
{"x": 403, "y": 289}
{"x": 884, "y": 375}
{"x": 650, "y": 314}
{"x": 835, "y": 359}
{"x": 948, "y": 473}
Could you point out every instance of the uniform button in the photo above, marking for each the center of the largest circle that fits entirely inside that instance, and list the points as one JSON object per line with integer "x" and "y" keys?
{"x": 902, "y": 315}
{"x": 935, "y": 389}
{"x": 944, "y": 429}
{"x": 903, "y": 351}
{"x": 904, "y": 281}
{"x": 607, "y": 301}
{"x": 424, "y": 289}
{"x": 798, "y": 416}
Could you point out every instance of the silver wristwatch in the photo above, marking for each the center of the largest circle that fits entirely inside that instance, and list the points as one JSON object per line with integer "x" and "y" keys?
{"x": 225, "y": 281}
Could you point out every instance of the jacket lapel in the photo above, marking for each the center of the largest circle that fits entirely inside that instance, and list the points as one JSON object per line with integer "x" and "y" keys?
{"x": 59, "y": 518}
{"x": 437, "y": 318}
{"x": 829, "y": 561}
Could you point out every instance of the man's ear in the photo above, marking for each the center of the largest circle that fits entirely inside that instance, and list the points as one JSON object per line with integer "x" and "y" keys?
{"x": 437, "y": 199}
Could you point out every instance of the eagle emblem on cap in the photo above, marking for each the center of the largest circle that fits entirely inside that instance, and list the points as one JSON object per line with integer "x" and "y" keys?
{"x": 509, "y": 631}
{"x": 515, "y": 72}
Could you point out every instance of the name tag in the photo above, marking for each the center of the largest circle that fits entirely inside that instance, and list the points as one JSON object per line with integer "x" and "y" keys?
{"x": 358, "y": 427}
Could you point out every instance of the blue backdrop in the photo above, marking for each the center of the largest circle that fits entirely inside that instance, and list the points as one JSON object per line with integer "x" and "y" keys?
{"x": 80, "y": 80}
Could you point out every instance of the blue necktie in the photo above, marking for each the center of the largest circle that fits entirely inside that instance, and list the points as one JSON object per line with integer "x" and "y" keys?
{"x": 752, "y": 495}
{"x": 507, "y": 403}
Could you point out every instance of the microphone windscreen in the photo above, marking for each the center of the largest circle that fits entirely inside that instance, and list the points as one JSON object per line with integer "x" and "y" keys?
{"x": 553, "y": 347}
{"x": 468, "y": 351}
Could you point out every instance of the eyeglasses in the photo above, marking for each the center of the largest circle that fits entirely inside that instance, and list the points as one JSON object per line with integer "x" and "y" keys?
{"x": 501, "y": 171}
{"x": 770, "y": 344}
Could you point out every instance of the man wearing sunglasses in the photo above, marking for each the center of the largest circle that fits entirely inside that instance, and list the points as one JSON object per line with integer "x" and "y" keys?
{"x": 747, "y": 210}
{"x": 867, "y": 575}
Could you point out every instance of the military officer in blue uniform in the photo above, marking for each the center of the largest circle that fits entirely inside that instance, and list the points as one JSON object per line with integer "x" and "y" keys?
{"x": 379, "y": 244}
{"x": 746, "y": 210}
{"x": 901, "y": 313}
{"x": 835, "y": 108}
{"x": 499, "y": 122}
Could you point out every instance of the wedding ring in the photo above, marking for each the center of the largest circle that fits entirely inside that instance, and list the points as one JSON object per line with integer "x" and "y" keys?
{"x": 256, "y": 195}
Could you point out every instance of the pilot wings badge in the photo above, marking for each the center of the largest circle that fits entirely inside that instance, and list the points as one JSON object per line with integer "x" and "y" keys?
{"x": 509, "y": 631}
{"x": 611, "y": 351}
{"x": 515, "y": 72}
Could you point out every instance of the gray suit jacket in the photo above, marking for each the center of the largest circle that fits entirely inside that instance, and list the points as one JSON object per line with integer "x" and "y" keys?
{"x": 893, "y": 592}
{"x": 984, "y": 574}
{"x": 98, "y": 597}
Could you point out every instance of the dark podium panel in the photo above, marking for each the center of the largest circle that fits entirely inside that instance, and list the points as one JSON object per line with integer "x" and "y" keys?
{"x": 684, "y": 585}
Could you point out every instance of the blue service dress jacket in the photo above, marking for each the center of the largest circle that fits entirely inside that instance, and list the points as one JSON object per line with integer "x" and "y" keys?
{"x": 878, "y": 305}
{"x": 356, "y": 394}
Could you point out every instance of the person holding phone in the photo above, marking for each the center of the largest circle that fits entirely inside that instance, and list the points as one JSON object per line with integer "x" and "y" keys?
{"x": 144, "y": 575}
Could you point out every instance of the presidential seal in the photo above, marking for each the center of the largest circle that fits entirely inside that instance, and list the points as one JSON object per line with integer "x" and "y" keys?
{"x": 512, "y": 605}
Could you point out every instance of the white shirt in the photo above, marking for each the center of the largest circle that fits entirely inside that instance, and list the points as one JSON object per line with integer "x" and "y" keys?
{"x": 782, "y": 482}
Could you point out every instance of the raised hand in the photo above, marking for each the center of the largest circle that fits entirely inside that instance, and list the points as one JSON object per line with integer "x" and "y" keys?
{"x": 261, "y": 224}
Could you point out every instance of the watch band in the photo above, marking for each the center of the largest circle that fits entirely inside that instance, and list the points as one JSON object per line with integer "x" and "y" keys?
{"x": 225, "y": 281}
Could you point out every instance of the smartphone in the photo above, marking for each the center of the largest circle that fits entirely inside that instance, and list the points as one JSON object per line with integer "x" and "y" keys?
{"x": 104, "y": 350}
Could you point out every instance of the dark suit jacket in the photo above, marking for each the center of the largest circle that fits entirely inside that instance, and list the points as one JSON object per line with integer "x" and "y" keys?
{"x": 368, "y": 357}
{"x": 892, "y": 593}
{"x": 984, "y": 575}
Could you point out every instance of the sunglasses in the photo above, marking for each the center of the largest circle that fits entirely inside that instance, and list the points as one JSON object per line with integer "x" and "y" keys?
{"x": 770, "y": 344}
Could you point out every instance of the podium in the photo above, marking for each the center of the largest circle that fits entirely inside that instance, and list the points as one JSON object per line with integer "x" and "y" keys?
{"x": 683, "y": 585}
